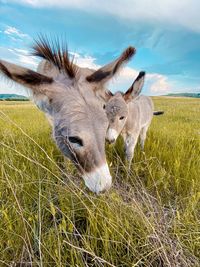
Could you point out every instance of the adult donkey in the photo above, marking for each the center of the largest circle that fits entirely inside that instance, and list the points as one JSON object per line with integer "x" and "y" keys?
{"x": 67, "y": 94}
{"x": 130, "y": 114}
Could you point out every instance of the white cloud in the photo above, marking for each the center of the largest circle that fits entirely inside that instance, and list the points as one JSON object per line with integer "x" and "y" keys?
{"x": 19, "y": 56}
{"x": 14, "y": 54}
{"x": 158, "y": 84}
{"x": 7, "y": 87}
{"x": 14, "y": 32}
{"x": 155, "y": 84}
{"x": 184, "y": 13}
{"x": 85, "y": 61}
{"x": 28, "y": 61}
{"x": 23, "y": 51}
{"x": 25, "y": 58}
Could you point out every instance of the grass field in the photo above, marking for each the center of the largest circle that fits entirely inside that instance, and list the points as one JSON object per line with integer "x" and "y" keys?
{"x": 150, "y": 217}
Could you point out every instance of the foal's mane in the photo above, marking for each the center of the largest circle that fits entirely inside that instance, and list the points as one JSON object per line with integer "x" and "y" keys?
{"x": 56, "y": 52}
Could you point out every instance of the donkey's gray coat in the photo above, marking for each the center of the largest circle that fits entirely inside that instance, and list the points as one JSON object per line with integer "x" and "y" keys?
{"x": 130, "y": 115}
{"x": 68, "y": 96}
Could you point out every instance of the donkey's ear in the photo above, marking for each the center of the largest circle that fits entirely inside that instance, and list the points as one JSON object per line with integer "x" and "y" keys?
{"x": 135, "y": 88}
{"x": 106, "y": 95}
{"x": 108, "y": 71}
{"x": 38, "y": 83}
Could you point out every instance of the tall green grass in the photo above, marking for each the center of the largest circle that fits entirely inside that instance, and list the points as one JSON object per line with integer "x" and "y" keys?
{"x": 150, "y": 217}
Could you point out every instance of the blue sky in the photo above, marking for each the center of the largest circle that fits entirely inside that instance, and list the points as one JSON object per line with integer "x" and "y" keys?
{"x": 165, "y": 33}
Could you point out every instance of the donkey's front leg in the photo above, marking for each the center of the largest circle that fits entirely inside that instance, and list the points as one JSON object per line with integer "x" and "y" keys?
{"x": 130, "y": 144}
{"x": 143, "y": 134}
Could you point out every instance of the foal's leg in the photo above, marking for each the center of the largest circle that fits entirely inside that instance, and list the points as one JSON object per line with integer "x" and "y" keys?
{"x": 130, "y": 143}
{"x": 143, "y": 135}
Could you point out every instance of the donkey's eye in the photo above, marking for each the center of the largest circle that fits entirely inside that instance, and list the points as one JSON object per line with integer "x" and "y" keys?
{"x": 104, "y": 106}
{"x": 75, "y": 141}
{"x": 121, "y": 118}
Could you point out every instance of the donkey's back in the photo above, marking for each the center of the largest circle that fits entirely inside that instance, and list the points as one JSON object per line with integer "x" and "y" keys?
{"x": 140, "y": 113}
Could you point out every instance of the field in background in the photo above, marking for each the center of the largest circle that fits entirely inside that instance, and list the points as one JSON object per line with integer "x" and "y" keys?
{"x": 150, "y": 217}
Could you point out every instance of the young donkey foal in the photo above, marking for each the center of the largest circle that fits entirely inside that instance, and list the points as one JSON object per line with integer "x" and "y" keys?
{"x": 67, "y": 94}
{"x": 130, "y": 115}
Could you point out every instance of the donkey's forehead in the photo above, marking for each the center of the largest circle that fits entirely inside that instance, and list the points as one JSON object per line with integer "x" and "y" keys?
{"x": 76, "y": 105}
{"x": 116, "y": 105}
{"x": 117, "y": 101}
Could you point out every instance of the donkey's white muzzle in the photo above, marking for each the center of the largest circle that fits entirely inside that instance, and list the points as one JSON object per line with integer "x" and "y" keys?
{"x": 111, "y": 135}
{"x": 98, "y": 180}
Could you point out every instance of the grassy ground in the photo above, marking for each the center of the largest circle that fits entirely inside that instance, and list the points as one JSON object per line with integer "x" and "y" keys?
{"x": 150, "y": 217}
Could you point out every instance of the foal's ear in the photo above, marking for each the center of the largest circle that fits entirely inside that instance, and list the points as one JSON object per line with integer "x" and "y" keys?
{"x": 108, "y": 94}
{"x": 38, "y": 83}
{"x": 135, "y": 88}
{"x": 108, "y": 71}
{"x": 103, "y": 94}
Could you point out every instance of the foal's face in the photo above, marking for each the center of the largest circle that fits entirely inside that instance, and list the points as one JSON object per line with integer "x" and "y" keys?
{"x": 117, "y": 113}
{"x": 117, "y": 108}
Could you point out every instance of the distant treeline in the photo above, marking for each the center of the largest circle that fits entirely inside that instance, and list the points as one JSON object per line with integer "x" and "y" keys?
{"x": 17, "y": 99}
{"x": 195, "y": 95}
{"x": 13, "y": 97}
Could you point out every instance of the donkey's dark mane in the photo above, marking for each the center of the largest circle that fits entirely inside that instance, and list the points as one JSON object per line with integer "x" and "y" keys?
{"x": 55, "y": 52}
